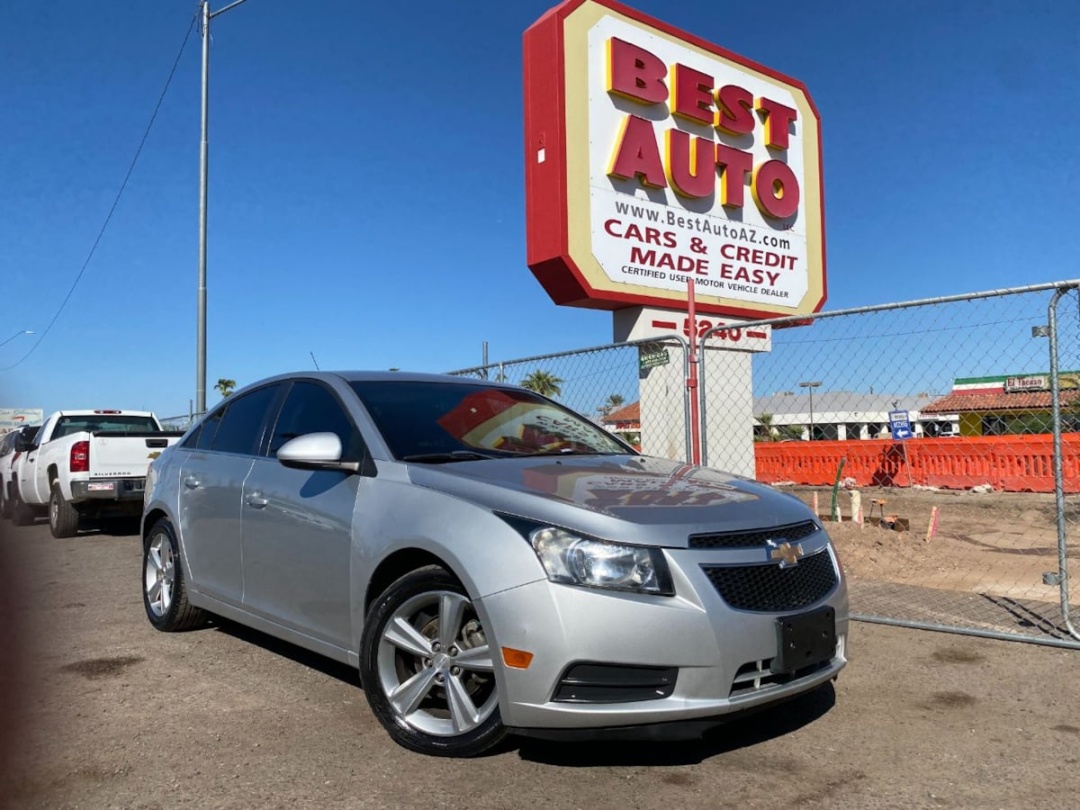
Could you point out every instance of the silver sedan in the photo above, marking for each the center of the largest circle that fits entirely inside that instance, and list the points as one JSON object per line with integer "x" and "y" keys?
{"x": 490, "y": 561}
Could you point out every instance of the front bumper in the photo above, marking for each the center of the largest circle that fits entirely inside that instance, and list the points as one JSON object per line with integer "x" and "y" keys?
{"x": 722, "y": 655}
{"x": 108, "y": 489}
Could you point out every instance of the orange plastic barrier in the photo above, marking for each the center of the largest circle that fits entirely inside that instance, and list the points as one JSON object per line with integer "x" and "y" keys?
{"x": 1007, "y": 463}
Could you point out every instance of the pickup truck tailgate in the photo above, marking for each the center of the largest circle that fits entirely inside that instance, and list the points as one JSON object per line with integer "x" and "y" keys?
{"x": 126, "y": 455}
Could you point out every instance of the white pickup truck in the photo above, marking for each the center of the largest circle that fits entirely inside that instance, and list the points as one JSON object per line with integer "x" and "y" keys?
{"x": 86, "y": 464}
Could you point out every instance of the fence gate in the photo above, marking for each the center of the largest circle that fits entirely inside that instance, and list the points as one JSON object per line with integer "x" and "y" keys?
{"x": 952, "y": 427}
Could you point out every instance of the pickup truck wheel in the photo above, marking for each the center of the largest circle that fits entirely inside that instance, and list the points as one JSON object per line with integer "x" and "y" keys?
{"x": 63, "y": 517}
{"x": 5, "y": 503}
{"x": 21, "y": 513}
{"x": 164, "y": 585}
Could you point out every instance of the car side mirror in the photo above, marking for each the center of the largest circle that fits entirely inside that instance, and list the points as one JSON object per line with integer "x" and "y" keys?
{"x": 23, "y": 444}
{"x": 315, "y": 451}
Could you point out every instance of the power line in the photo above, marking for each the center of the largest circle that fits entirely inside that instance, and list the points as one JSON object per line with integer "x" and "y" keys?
{"x": 116, "y": 201}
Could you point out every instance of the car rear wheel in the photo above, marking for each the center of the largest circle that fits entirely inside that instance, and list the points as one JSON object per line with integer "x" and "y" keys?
{"x": 164, "y": 584}
{"x": 63, "y": 517}
{"x": 427, "y": 668}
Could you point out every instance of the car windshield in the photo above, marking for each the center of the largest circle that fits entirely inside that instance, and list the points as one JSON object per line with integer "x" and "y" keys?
{"x": 112, "y": 423}
{"x": 459, "y": 422}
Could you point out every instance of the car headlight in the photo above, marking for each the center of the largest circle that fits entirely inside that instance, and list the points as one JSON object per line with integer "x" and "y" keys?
{"x": 574, "y": 560}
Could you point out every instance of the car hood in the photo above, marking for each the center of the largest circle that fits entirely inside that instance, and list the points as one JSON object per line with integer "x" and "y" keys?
{"x": 631, "y": 498}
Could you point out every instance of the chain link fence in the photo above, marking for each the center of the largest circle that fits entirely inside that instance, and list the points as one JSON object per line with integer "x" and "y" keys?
{"x": 182, "y": 422}
{"x": 925, "y": 433}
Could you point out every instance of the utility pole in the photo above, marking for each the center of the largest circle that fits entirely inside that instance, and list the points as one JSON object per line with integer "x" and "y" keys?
{"x": 811, "y": 385}
{"x": 204, "y": 169}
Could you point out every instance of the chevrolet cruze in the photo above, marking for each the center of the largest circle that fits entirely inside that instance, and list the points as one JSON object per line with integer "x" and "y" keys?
{"x": 490, "y": 561}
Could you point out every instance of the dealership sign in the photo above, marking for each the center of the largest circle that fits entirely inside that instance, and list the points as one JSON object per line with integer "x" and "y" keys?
{"x": 654, "y": 157}
{"x": 13, "y": 418}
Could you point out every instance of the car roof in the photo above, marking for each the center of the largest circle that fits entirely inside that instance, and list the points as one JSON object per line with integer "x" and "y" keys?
{"x": 403, "y": 376}
{"x": 376, "y": 376}
{"x": 367, "y": 376}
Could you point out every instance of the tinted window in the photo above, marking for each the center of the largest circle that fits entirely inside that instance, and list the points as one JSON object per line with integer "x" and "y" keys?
{"x": 193, "y": 438}
{"x": 311, "y": 408}
{"x": 68, "y": 425}
{"x": 241, "y": 426}
{"x": 419, "y": 418}
{"x": 204, "y": 436}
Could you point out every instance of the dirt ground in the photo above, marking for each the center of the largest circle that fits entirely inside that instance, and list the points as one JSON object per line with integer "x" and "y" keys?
{"x": 115, "y": 715}
{"x": 998, "y": 543}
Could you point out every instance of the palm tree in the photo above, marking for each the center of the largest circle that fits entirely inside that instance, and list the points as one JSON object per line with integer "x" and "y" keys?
{"x": 544, "y": 383}
{"x": 770, "y": 435}
{"x": 225, "y": 386}
{"x": 774, "y": 432}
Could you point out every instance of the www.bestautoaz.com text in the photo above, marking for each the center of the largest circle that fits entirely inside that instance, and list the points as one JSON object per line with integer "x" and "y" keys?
{"x": 746, "y": 264}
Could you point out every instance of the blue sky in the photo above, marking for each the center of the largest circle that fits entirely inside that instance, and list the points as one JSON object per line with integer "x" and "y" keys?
{"x": 366, "y": 192}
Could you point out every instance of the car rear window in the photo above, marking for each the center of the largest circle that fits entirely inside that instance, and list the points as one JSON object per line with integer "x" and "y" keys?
{"x": 67, "y": 425}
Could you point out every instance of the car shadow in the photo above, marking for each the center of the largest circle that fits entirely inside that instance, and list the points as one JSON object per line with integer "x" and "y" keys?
{"x": 319, "y": 663}
{"x": 743, "y": 731}
{"x": 112, "y": 527}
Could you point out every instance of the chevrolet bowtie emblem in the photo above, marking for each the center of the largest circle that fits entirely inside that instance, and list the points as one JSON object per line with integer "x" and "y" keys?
{"x": 786, "y": 553}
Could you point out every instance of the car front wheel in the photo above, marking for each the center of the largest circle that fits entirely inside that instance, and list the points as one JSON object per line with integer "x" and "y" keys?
{"x": 427, "y": 668}
{"x": 22, "y": 514}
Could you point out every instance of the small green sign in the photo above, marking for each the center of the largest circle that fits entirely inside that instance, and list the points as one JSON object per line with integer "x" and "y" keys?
{"x": 653, "y": 359}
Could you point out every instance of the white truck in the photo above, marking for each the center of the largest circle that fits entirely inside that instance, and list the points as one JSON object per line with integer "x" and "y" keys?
{"x": 88, "y": 464}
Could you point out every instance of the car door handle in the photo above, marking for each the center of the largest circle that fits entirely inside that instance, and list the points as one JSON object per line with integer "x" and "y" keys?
{"x": 191, "y": 482}
{"x": 256, "y": 501}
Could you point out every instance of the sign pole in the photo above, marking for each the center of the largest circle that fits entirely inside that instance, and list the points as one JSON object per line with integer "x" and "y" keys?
{"x": 692, "y": 377}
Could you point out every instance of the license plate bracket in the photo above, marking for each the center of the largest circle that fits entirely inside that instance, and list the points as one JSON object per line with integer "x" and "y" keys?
{"x": 804, "y": 639}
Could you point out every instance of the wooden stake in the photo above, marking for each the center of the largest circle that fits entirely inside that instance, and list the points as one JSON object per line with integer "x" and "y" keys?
{"x": 813, "y": 502}
{"x": 931, "y": 530}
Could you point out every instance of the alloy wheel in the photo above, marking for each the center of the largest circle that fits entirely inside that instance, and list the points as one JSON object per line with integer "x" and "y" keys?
{"x": 159, "y": 575}
{"x": 435, "y": 666}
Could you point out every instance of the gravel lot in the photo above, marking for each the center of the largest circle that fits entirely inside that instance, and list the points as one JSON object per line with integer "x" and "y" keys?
{"x": 113, "y": 714}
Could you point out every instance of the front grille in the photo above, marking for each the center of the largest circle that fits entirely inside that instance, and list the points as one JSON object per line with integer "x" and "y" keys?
{"x": 755, "y": 676}
{"x": 614, "y": 683}
{"x": 769, "y": 588}
{"x": 792, "y": 533}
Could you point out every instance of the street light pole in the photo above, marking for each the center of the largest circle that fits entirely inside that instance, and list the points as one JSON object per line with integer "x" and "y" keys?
{"x": 204, "y": 169}
{"x": 20, "y": 333}
{"x": 810, "y": 385}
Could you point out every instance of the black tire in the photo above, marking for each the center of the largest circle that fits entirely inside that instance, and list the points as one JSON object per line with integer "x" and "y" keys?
{"x": 22, "y": 514}
{"x": 5, "y": 503}
{"x": 417, "y": 586}
{"x": 63, "y": 516}
{"x": 176, "y": 613}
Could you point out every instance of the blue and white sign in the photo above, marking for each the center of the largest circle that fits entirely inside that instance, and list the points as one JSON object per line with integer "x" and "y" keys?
{"x": 900, "y": 424}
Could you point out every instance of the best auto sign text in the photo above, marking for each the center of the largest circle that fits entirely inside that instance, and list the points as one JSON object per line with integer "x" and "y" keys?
{"x": 693, "y": 165}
